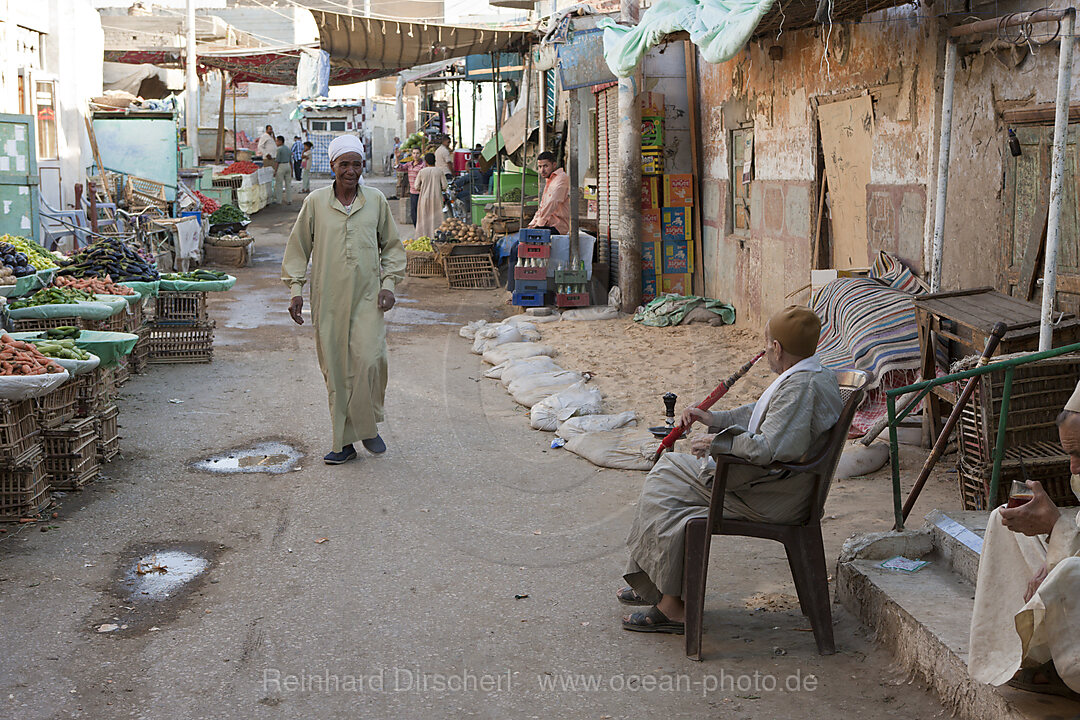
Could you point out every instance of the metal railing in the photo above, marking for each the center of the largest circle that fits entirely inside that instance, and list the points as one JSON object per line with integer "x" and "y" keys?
{"x": 923, "y": 388}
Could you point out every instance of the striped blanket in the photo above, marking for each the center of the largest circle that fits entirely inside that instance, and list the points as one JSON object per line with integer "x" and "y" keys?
{"x": 869, "y": 324}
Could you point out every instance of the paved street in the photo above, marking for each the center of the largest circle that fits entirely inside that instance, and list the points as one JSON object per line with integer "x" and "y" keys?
{"x": 468, "y": 572}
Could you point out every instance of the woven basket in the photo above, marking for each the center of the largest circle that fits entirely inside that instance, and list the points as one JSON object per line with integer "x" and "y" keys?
{"x": 24, "y": 488}
{"x": 229, "y": 240}
{"x": 471, "y": 272}
{"x": 420, "y": 264}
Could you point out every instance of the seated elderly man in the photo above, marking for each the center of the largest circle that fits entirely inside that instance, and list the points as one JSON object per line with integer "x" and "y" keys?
{"x": 1025, "y": 629}
{"x": 787, "y": 423}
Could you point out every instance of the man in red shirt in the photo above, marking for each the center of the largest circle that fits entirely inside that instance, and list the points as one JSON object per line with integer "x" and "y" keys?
{"x": 554, "y": 211}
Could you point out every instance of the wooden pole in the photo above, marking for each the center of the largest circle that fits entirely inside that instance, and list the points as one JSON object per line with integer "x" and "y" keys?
{"x": 572, "y": 145}
{"x": 527, "y": 76}
{"x": 220, "y": 146}
{"x": 629, "y": 191}
{"x": 690, "y": 61}
{"x": 97, "y": 157}
{"x": 497, "y": 187}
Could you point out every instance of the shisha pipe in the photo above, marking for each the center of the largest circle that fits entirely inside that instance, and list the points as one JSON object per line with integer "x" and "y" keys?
{"x": 669, "y": 440}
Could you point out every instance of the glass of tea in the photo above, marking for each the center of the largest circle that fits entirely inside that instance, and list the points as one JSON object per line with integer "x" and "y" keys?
{"x": 1019, "y": 494}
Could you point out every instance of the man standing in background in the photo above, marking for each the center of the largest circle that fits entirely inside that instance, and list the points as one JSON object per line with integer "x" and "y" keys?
{"x": 443, "y": 157}
{"x": 282, "y": 175}
{"x": 266, "y": 146}
{"x": 297, "y": 155}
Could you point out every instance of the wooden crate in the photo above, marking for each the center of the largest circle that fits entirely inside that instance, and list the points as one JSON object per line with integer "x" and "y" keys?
{"x": 42, "y": 324}
{"x": 1051, "y": 469}
{"x": 24, "y": 487}
{"x": 140, "y": 354}
{"x": 180, "y": 308}
{"x": 420, "y": 264}
{"x": 56, "y": 407}
{"x": 122, "y": 371}
{"x": 108, "y": 433}
{"x": 228, "y": 256}
{"x": 181, "y": 343}
{"x": 70, "y": 454}
{"x": 91, "y": 393}
{"x": 20, "y": 436}
{"x": 471, "y": 272}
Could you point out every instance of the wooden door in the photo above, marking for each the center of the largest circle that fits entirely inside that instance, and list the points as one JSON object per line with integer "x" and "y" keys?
{"x": 1025, "y": 207}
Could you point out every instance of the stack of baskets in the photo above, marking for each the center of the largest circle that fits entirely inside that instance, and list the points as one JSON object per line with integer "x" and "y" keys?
{"x": 182, "y": 332}
{"x": 1032, "y": 449}
{"x": 24, "y": 489}
{"x": 420, "y": 264}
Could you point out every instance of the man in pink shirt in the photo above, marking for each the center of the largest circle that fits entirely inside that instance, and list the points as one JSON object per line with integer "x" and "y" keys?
{"x": 554, "y": 211}
{"x": 413, "y": 167}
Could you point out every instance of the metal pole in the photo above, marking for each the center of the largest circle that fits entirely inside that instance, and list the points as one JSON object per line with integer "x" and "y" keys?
{"x": 191, "y": 101}
{"x": 497, "y": 185}
{"x": 943, "y": 164}
{"x": 993, "y": 25}
{"x": 1057, "y": 177}
{"x": 543, "y": 110}
{"x": 572, "y": 148}
{"x": 527, "y": 75}
{"x": 629, "y": 154}
{"x": 894, "y": 457}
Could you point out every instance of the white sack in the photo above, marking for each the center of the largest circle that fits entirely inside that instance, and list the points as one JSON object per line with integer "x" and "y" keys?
{"x": 493, "y": 336}
{"x": 595, "y": 423}
{"x": 531, "y": 389}
{"x": 624, "y": 449}
{"x": 529, "y": 332}
{"x": 596, "y": 312}
{"x": 518, "y": 350}
{"x": 534, "y": 319}
{"x": 858, "y": 459}
{"x": 21, "y": 387}
{"x": 554, "y": 409}
{"x": 469, "y": 331}
{"x": 515, "y": 369}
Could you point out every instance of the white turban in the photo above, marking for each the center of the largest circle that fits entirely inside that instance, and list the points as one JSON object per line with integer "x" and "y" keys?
{"x": 344, "y": 144}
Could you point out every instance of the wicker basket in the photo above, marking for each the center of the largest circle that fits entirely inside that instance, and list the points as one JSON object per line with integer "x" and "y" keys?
{"x": 140, "y": 354}
{"x": 471, "y": 272}
{"x": 57, "y": 407}
{"x": 419, "y": 264}
{"x": 181, "y": 343}
{"x": 42, "y": 324}
{"x": 108, "y": 433}
{"x": 20, "y": 436}
{"x": 71, "y": 454}
{"x": 24, "y": 488}
{"x": 91, "y": 393}
{"x": 1052, "y": 472}
{"x": 180, "y": 308}
{"x": 122, "y": 371}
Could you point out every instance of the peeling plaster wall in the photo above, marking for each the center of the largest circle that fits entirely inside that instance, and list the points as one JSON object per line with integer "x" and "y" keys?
{"x": 895, "y": 58}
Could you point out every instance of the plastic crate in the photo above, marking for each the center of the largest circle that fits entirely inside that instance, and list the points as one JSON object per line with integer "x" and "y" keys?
{"x": 533, "y": 299}
{"x": 530, "y": 273}
{"x": 70, "y": 454}
{"x": 534, "y": 250}
{"x": 108, "y": 433}
{"x": 535, "y": 235}
{"x": 20, "y": 436}
{"x": 420, "y": 264}
{"x": 572, "y": 300}
{"x": 471, "y": 272}
{"x": 24, "y": 487}
{"x": 180, "y": 308}
{"x": 181, "y": 343}
{"x": 56, "y": 407}
{"x": 571, "y": 277}
{"x": 530, "y": 286}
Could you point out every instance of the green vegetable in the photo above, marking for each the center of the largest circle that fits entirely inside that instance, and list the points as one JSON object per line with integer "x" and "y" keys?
{"x": 200, "y": 275}
{"x": 64, "y": 331}
{"x": 53, "y": 296}
{"x": 61, "y": 350}
{"x": 112, "y": 257}
{"x": 228, "y": 214}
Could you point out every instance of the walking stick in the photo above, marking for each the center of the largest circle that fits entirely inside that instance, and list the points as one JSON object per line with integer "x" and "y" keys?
{"x": 943, "y": 439}
{"x": 677, "y": 432}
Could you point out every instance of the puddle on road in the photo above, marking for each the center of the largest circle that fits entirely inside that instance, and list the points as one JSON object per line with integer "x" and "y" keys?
{"x": 410, "y": 316}
{"x": 160, "y": 575}
{"x": 265, "y": 457}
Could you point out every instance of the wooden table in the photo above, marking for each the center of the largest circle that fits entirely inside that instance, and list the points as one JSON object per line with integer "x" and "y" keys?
{"x": 963, "y": 319}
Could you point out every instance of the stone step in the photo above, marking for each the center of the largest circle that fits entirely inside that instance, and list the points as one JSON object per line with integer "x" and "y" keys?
{"x": 957, "y": 537}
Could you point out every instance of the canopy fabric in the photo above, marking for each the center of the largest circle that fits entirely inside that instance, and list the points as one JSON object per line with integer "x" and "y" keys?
{"x": 373, "y": 44}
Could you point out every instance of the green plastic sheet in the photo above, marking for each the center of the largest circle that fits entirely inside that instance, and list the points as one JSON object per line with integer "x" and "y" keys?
{"x": 146, "y": 289}
{"x": 668, "y": 310}
{"x": 108, "y": 346}
{"x": 720, "y": 28}
{"x": 189, "y": 286}
{"x": 102, "y": 309}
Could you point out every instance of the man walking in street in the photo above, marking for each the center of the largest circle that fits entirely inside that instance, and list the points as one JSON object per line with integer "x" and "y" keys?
{"x": 283, "y": 172}
{"x": 430, "y": 182}
{"x": 348, "y": 233}
{"x": 305, "y": 168}
{"x": 443, "y": 157}
{"x": 266, "y": 146}
{"x": 413, "y": 168}
{"x": 297, "y": 155}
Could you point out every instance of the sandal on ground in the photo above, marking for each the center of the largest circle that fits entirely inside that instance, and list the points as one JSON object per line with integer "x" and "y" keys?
{"x": 629, "y": 596}
{"x": 1025, "y": 679}
{"x": 653, "y": 621}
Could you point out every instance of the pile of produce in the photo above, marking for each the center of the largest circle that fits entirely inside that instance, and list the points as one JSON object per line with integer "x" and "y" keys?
{"x": 62, "y": 349}
{"x": 103, "y": 286}
{"x": 420, "y": 244}
{"x": 455, "y": 230}
{"x": 24, "y": 256}
{"x": 7, "y": 276}
{"x": 53, "y": 296}
{"x": 228, "y": 214}
{"x": 512, "y": 195}
{"x": 22, "y": 358}
{"x": 240, "y": 167}
{"x": 110, "y": 257}
{"x": 64, "y": 332}
{"x": 414, "y": 140}
{"x": 209, "y": 205}
{"x": 199, "y": 275}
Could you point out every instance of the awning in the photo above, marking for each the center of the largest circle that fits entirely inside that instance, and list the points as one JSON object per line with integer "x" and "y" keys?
{"x": 371, "y": 44}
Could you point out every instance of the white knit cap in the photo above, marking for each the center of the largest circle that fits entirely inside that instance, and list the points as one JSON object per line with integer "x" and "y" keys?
{"x": 1074, "y": 402}
{"x": 344, "y": 144}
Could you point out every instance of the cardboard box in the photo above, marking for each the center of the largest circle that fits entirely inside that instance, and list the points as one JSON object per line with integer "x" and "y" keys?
{"x": 675, "y": 257}
{"x": 650, "y": 192}
{"x": 679, "y": 190}
{"x": 674, "y": 224}
{"x": 650, "y": 257}
{"x": 652, "y": 130}
{"x": 678, "y": 284}
{"x": 648, "y": 285}
{"x": 652, "y": 104}
{"x": 650, "y": 225}
{"x": 652, "y": 161}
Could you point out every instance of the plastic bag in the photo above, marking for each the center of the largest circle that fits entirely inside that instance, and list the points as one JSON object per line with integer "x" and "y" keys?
{"x": 510, "y": 351}
{"x": 595, "y": 423}
{"x": 515, "y": 369}
{"x": 624, "y": 449}
{"x": 597, "y": 312}
{"x": 560, "y": 407}
{"x": 857, "y": 459}
{"x": 531, "y": 389}
{"x": 469, "y": 331}
{"x": 21, "y": 387}
{"x": 494, "y": 335}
